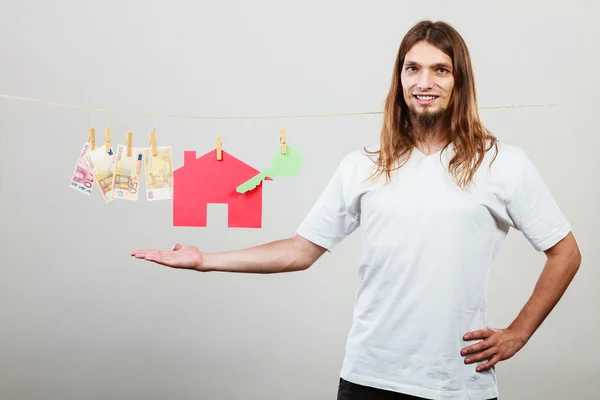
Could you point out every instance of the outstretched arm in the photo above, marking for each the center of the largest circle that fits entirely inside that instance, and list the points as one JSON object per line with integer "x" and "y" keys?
{"x": 286, "y": 255}
{"x": 562, "y": 263}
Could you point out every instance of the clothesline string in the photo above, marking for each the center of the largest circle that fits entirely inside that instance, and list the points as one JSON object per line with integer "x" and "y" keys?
{"x": 106, "y": 111}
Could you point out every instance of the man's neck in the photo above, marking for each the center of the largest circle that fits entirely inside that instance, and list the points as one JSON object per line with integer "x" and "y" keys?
{"x": 433, "y": 141}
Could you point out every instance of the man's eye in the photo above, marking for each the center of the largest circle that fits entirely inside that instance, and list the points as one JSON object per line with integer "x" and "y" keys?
{"x": 411, "y": 68}
{"x": 442, "y": 70}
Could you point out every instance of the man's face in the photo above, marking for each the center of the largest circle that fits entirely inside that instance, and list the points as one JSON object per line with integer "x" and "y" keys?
{"x": 427, "y": 79}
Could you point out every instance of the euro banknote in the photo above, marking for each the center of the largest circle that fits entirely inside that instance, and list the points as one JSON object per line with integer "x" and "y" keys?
{"x": 102, "y": 165}
{"x": 82, "y": 179}
{"x": 126, "y": 179}
{"x": 158, "y": 172}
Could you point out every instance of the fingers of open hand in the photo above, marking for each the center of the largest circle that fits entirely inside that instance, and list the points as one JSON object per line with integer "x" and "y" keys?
{"x": 157, "y": 256}
{"x": 143, "y": 253}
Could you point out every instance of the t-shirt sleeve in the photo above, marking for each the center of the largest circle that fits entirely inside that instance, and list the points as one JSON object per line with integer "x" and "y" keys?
{"x": 532, "y": 209}
{"x": 336, "y": 212}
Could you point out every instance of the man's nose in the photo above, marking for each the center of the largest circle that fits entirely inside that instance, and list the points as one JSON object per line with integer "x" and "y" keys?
{"x": 425, "y": 80}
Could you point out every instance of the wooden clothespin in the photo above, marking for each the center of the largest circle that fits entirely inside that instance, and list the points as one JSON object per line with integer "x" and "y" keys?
{"x": 282, "y": 141}
{"x": 129, "y": 144}
{"x": 219, "y": 149}
{"x": 153, "y": 143}
{"x": 92, "y": 132}
{"x": 107, "y": 140}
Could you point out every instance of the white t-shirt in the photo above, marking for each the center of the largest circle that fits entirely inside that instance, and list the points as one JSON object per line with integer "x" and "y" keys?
{"x": 427, "y": 250}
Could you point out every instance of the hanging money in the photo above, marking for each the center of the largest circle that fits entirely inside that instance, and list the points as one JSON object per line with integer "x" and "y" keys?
{"x": 126, "y": 178}
{"x": 158, "y": 171}
{"x": 102, "y": 165}
{"x": 83, "y": 179}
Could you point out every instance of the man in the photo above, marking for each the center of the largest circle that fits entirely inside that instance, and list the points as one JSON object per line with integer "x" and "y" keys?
{"x": 435, "y": 200}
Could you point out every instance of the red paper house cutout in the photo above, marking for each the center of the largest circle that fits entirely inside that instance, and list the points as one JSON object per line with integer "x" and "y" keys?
{"x": 205, "y": 180}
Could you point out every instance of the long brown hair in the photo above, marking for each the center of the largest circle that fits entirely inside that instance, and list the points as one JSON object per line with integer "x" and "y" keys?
{"x": 466, "y": 131}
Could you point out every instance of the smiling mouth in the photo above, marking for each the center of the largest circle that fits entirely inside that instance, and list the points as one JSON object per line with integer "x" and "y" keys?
{"x": 425, "y": 99}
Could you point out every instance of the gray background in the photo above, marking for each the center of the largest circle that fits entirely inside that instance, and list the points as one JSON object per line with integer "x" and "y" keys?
{"x": 83, "y": 320}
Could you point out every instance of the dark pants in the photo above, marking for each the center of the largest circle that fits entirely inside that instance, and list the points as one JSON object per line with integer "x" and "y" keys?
{"x": 352, "y": 391}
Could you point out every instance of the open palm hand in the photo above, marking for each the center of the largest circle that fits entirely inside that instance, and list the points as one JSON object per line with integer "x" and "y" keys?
{"x": 186, "y": 257}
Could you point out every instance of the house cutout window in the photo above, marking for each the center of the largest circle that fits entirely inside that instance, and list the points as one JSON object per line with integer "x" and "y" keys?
{"x": 217, "y": 214}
